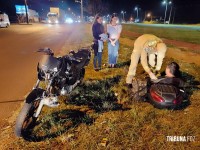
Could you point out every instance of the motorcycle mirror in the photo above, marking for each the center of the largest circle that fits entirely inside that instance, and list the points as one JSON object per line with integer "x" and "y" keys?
{"x": 46, "y": 51}
{"x": 72, "y": 52}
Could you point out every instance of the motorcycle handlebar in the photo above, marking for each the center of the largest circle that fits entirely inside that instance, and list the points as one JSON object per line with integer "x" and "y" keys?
{"x": 47, "y": 51}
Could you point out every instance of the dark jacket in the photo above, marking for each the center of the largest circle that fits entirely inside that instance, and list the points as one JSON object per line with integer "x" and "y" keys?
{"x": 97, "y": 29}
{"x": 172, "y": 81}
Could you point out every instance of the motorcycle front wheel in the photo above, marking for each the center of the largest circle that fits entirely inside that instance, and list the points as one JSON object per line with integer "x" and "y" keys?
{"x": 26, "y": 120}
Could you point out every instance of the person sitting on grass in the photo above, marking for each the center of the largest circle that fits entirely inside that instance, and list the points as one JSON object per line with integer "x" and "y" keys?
{"x": 172, "y": 76}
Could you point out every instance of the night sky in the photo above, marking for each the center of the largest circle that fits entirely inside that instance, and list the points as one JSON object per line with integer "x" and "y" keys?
{"x": 186, "y": 11}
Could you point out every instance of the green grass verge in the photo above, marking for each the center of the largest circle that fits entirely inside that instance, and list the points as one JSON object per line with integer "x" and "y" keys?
{"x": 192, "y": 36}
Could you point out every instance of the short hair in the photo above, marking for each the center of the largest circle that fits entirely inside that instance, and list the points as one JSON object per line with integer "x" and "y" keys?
{"x": 174, "y": 69}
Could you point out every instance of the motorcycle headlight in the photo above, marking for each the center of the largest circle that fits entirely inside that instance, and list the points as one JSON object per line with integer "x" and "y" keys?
{"x": 57, "y": 21}
{"x": 55, "y": 69}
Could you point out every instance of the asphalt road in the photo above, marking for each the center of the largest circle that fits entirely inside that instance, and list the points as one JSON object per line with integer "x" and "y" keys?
{"x": 18, "y": 59}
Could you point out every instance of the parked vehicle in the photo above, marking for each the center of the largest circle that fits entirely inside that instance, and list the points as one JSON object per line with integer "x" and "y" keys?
{"x": 60, "y": 75}
{"x": 4, "y": 20}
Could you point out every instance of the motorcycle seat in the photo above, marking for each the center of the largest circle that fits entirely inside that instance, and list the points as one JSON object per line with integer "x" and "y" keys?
{"x": 79, "y": 63}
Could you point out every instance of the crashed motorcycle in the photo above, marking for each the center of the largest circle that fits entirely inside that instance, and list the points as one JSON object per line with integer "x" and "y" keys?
{"x": 60, "y": 76}
{"x": 158, "y": 94}
{"x": 166, "y": 96}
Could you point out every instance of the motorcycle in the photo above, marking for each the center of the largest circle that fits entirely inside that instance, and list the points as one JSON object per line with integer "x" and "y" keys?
{"x": 166, "y": 96}
{"x": 60, "y": 75}
{"x": 158, "y": 94}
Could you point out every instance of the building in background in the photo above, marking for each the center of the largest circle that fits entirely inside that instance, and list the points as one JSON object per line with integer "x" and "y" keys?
{"x": 33, "y": 16}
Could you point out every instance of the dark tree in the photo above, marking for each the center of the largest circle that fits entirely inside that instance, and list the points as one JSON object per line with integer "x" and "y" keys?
{"x": 96, "y": 6}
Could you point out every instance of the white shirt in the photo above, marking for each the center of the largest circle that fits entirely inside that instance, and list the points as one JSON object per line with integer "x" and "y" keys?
{"x": 114, "y": 31}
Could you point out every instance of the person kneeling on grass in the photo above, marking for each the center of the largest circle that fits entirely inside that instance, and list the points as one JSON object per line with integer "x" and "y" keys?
{"x": 146, "y": 46}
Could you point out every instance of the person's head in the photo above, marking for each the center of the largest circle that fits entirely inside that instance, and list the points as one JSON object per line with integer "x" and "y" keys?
{"x": 114, "y": 18}
{"x": 172, "y": 70}
{"x": 98, "y": 19}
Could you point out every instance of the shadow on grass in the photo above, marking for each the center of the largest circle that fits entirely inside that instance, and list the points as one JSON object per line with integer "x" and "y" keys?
{"x": 97, "y": 94}
{"x": 122, "y": 64}
{"x": 57, "y": 123}
{"x": 191, "y": 84}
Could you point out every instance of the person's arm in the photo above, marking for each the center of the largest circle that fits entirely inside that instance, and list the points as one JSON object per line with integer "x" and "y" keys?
{"x": 160, "y": 80}
{"x": 182, "y": 84}
{"x": 96, "y": 31}
{"x": 107, "y": 30}
{"x": 145, "y": 65}
{"x": 160, "y": 57}
{"x": 119, "y": 33}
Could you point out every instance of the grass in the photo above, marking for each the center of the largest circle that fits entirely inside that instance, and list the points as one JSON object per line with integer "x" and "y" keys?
{"x": 101, "y": 114}
{"x": 186, "y": 35}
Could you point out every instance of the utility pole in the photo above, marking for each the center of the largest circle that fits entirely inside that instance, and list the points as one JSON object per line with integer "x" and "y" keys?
{"x": 166, "y": 2}
{"x": 123, "y": 12}
{"x": 174, "y": 15}
{"x": 82, "y": 10}
{"x": 81, "y": 2}
{"x": 165, "y": 12}
{"x": 136, "y": 8}
{"x": 27, "y": 21}
{"x": 170, "y": 15}
{"x": 144, "y": 16}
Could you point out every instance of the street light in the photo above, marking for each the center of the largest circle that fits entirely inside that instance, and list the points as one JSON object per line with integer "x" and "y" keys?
{"x": 166, "y": 3}
{"x": 149, "y": 16}
{"x": 81, "y": 2}
{"x": 170, "y": 15}
{"x": 123, "y": 12}
{"x": 136, "y": 9}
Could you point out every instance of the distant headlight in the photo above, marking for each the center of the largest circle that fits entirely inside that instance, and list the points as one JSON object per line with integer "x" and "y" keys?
{"x": 137, "y": 20}
{"x": 104, "y": 21}
{"x": 49, "y": 21}
{"x": 69, "y": 20}
{"x": 57, "y": 21}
